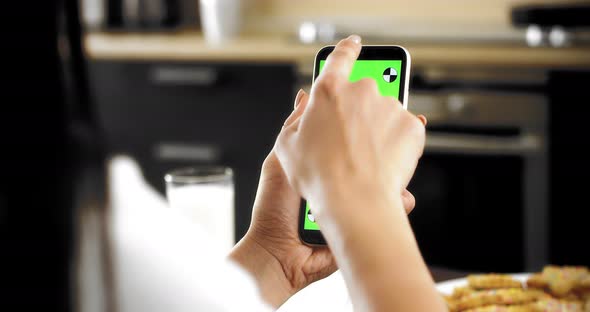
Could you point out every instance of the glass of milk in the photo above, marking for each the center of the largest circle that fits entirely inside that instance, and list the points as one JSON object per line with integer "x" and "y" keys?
{"x": 205, "y": 195}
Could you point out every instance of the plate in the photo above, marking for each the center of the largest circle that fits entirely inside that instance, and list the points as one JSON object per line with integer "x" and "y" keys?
{"x": 447, "y": 287}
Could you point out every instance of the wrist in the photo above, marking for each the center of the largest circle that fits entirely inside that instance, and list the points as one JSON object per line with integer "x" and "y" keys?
{"x": 360, "y": 224}
{"x": 379, "y": 249}
{"x": 266, "y": 269}
{"x": 357, "y": 202}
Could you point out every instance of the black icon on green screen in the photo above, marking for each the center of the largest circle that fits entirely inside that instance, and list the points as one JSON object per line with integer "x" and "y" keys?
{"x": 389, "y": 74}
{"x": 310, "y": 216}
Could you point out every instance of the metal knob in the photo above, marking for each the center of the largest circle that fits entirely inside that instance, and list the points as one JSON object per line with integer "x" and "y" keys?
{"x": 456, "y": 104}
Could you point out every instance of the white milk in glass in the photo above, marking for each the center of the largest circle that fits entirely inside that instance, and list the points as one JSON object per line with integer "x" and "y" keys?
{"x": 208, "y": 206}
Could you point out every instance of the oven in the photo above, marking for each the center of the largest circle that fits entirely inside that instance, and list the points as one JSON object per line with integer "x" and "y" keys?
{"x": 481, "y": 185}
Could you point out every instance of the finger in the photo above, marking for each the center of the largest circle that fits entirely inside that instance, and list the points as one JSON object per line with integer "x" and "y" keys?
{"x": 409, "y": 201}
{"x": 320, "y": 264}
{"x": 300, "y": 104}
{"x": 298, "y": 98}
{"x": 284, "y": 150}
{"x": 339, "y": 63}
{"x": 423, "y": 119}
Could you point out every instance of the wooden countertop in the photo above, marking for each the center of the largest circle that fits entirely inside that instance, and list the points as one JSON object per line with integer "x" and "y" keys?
{"x": 191, "y": 46}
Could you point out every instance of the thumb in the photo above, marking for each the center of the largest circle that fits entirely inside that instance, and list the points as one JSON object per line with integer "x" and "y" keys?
{"x": 300, "y": 104}
{"x": 285, "y": 150}
{"x": 285, "y": 144}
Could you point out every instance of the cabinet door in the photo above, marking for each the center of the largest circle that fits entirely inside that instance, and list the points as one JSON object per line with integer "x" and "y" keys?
{"x": 173, "y": 114}
{"x": 570, "y": 169}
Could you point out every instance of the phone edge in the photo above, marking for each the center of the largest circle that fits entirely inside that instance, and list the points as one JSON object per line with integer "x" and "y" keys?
{"x": 301, "y": 220}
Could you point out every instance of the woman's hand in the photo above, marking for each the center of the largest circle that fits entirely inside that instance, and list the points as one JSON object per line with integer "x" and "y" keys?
{"x": 349, "y": 136}
{"x": 351, "y": 154}
{"x": 272, "y": 250}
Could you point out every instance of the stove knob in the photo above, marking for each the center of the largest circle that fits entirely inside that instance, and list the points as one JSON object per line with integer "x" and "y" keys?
{"x": 456, "y": 104}
{"x": 535, "y": 36}
{"x": 559, "y": 37}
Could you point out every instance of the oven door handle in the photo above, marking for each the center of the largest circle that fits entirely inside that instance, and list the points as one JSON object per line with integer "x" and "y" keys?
{"x": 184, "y": 75}
{"x": 484, "y": 144}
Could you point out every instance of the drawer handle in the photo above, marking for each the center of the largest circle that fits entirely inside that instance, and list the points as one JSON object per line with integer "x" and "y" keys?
{"x": 484, "y": 145}
{"x": 202, "y": 77}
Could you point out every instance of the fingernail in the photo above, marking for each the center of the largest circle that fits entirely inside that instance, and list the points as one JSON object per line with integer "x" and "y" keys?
{"x": 355, "y": 38}
{"x": 423, "y": 119}
{"x": 298, "y": 98}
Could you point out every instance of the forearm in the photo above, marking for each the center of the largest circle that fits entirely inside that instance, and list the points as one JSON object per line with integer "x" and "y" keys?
{"x": 378, "y": 255}
{"x": 274, "y": 287}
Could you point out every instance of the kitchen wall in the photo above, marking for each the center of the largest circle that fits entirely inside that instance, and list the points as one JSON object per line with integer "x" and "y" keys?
{"x": 426, "y": 18}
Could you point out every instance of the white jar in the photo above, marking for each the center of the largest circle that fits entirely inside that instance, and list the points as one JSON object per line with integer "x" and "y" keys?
{"x": 220, "y": 20}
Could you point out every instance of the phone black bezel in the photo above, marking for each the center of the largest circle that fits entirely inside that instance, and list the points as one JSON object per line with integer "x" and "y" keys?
{"x": 315, "y": 237}
{"x": 311, "y": 237}
{"x": 373, "y": 52}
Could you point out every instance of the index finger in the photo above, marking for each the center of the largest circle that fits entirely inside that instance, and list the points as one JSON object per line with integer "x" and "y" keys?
{"x": 339, "y": 63}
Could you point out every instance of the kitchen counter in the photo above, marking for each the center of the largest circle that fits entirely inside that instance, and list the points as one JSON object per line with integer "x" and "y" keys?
{"x": 190, "y": 46}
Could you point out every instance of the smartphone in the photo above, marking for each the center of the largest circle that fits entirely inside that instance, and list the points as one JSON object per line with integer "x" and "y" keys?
{"x": 389, "y": 65}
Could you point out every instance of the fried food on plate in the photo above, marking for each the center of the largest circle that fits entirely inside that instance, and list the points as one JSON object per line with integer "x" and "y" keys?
{"x": 555, "y": 289}
{"x": 492, "y": 281}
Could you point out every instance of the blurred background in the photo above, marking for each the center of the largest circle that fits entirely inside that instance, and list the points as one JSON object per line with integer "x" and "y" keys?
{"x": 176, "y": 83}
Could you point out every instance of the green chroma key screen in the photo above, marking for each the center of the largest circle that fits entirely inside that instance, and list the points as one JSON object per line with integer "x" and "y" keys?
{"x": 385, "y": 73}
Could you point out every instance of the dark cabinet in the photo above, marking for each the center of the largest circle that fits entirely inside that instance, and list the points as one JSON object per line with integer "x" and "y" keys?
{"x": 570, "y": 169}
{"x": 174, "y": 114}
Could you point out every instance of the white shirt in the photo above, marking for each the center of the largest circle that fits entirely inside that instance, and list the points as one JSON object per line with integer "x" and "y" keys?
{"x": 163, "y": 262}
